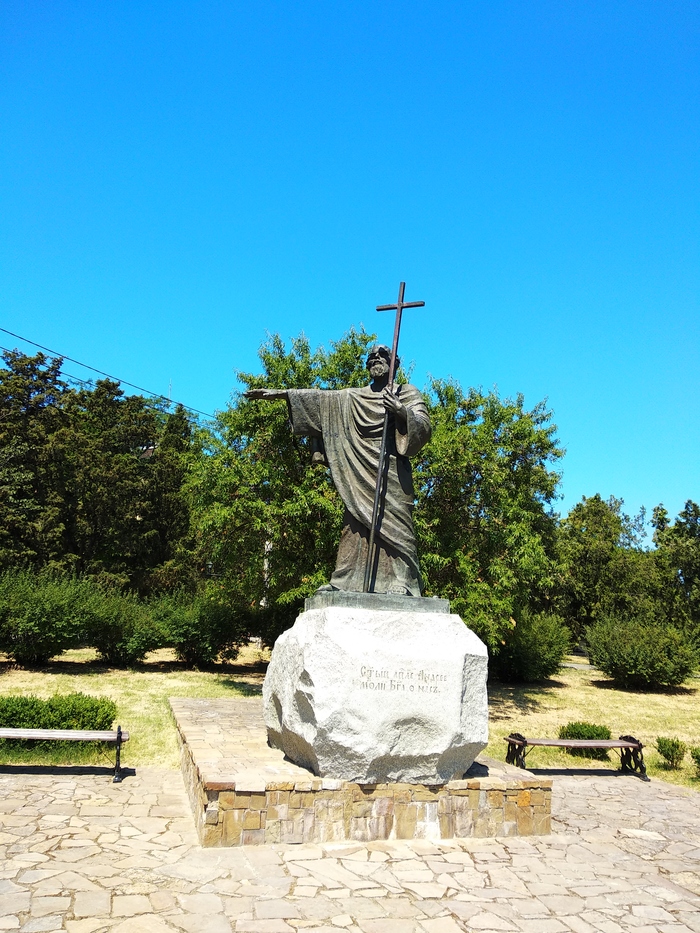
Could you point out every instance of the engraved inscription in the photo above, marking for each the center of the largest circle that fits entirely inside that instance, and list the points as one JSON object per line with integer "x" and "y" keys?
{"x": 400, "y": 680}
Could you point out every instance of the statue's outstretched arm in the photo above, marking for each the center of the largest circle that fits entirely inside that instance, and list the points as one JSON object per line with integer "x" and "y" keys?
{"x": 266, "y": 393}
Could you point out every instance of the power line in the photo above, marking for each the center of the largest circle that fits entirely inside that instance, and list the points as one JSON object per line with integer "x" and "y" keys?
{"x": 56, "y": 355}
{"x": 69, "y": 376}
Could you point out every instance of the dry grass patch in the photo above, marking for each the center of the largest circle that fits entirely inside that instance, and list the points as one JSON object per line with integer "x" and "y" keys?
{"x": 539, "y": 710}
{"x": 536, "y": 710}
{"x": 141, "y": 694}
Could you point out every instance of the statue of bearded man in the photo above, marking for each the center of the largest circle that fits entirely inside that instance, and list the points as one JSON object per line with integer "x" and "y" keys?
{"x": 349, "y": 424}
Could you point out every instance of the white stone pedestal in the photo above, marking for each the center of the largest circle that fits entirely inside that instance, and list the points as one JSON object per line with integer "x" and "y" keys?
{"x": 375, "y": 696}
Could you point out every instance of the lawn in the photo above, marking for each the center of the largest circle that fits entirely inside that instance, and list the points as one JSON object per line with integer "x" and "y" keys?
{"x": 141, "y": 695}
{"x": 582, "y": 693}
{"x": 535, "y": 710}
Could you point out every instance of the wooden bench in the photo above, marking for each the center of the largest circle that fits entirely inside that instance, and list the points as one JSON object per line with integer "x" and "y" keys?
{"x": 628, "y": 748}
{"x": 74, "y": 735}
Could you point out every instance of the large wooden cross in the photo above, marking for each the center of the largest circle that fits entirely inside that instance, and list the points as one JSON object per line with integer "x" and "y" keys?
{"x": 398, "y": 307}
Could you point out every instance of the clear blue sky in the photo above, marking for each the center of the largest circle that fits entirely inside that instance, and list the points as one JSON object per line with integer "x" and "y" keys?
{"x": 176, "y": 179}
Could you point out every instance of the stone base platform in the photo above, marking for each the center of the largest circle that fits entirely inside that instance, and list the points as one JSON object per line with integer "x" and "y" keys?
{"x": 244, "y": 793}
{"x": 375, "y": 601}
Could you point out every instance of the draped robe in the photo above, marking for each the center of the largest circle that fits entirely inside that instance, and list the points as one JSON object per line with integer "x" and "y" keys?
{"x": 350, "y": 422}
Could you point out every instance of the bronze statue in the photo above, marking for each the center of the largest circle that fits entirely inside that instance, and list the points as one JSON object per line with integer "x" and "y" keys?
{"x": 349, "y": 423}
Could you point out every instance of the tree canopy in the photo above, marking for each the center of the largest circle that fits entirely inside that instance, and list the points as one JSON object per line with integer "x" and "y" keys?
{"x": 266, "y": 519}
{"x": 270, "y": 521}
{"x": 484, "y": 513}
{"x": 91, "y": 480}
{"x": 237, "y": 513}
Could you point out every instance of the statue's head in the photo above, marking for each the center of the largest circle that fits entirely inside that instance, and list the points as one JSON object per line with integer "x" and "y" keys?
{"x": 379, "y": 352}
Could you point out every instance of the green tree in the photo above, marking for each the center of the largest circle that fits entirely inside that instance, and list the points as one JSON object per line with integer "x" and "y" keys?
{"x": 128, "y": 515}
{"x": 604, "y": 570}
{"x": 267, "y": 523}
{"x": 171, "y": 564}
{"x": 91, "y": 480}
{"x": 110, "y": 439}
{"x": 678, "y": 560}
{"x": 484, "y": 521}
{"x": 31, "y": 513}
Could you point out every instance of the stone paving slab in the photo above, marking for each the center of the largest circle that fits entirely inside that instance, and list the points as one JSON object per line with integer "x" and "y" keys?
{"x": 81, "y": 854}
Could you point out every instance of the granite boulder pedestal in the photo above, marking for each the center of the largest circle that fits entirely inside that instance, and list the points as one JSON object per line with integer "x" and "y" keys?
{"x": 372, "y": 689}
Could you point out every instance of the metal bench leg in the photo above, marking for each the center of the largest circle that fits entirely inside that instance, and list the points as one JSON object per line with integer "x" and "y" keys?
{"x": 118, "y": 776}
{"x": 638, "y": 761}
{"x": 632, "y": 759}
{"x": 516, "y": 752}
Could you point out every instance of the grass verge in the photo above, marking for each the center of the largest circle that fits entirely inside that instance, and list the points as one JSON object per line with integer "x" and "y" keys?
{"x": 585, "y": 694}
{"x": 536, "y": 710}
{"x": 141, "y": 694}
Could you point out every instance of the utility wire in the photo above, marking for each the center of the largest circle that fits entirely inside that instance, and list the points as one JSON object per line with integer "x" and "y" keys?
{"x": 69, "y": 376}
{"x": 56, "y": 355}
{"x": 71, "y": 379}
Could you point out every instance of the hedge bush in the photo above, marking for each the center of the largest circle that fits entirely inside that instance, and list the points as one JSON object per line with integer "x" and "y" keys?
{"x": 641, "y": 653}
{"x": 586, "y": 730}
{"x": 201, "y": 628}
{"x": 672, "y": 750}
{"x": 533, "y": 651}
{"x": 121, "y": 628}
{"x": 62, "y": 711}
{"x": 41, "y": 616}
{"x": 695, "y": 755}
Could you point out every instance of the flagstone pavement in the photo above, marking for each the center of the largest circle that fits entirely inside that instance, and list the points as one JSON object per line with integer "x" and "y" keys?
{"x": 85, "y": 855}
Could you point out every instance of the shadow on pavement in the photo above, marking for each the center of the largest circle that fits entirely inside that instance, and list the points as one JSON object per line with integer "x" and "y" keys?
{"x": 585, "y": 772}
{"x": 63, "y": 770}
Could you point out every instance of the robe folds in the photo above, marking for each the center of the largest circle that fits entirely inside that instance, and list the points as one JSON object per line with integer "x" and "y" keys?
{"x": 350, "y": 422}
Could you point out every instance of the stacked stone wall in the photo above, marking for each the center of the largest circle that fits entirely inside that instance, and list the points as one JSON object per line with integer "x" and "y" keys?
{"x": 250, "y": 808}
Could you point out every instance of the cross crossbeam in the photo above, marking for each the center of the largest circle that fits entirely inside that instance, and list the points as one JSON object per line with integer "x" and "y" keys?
{"x": 398, "y": 307}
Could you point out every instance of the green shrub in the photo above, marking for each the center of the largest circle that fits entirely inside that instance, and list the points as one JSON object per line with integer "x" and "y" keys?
{"x": 63, "y": 711}
{"x": 695, "y": 755}
{"x": 534, "y": 650}
{"x": 201, "y": 628}
{"x": 41, "y": 615}
{"x": 641, "y": 653}
{"x": 672, "y": 750}
{"x": 269, "y": 622}
{"x": 586, "y": 730}
{"x": 121, "y": 628}
{"x": 178, "y": 618}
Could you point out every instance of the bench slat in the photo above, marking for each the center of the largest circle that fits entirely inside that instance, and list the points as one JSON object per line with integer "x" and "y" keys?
{"x": 63, "y": 735}
{"x": 576, "y": 743}
{"x": 629, "y": 749}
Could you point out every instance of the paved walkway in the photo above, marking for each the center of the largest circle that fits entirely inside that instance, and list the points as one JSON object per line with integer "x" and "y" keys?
{"x": 84, "y": 855}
